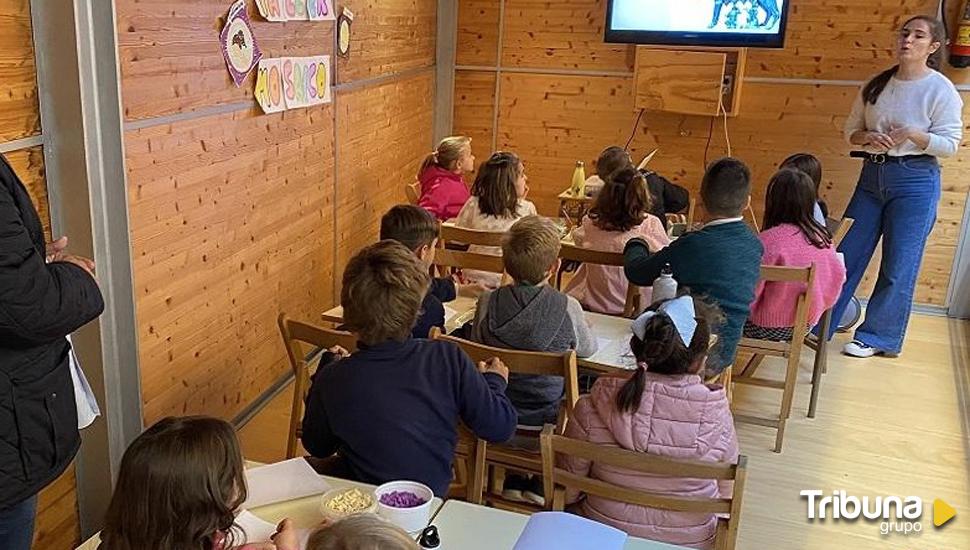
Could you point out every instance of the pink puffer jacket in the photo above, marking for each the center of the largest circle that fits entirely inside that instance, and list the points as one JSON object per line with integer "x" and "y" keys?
{"x": 678, "y": 417}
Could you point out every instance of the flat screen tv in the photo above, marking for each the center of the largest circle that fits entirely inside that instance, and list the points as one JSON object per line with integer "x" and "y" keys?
{"x": 718, "y": 23}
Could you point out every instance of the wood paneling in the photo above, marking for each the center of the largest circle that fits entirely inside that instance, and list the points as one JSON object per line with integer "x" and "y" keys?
{"x": 29, "y": 166}
{"x": 478, "y": 32}
{"x": 564, "y": 34}
{"x": 231, "y": 222}
{"x": 171, "y": 60}
{"x": 378, "y": 155}
{"x": 19, "y": 110}
{"x": 57, "y": 519}
{"x": 475, "y": 110}
{"x": 677, "y": 81}
{"x": 389, "y": 36}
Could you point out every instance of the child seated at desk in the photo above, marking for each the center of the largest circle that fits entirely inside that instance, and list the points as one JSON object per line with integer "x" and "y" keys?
{"x": 443, "y": 188}
{"x": 665, "y": 409}
{"x": 813, "y": 167}
{"x": 416, "y": 228}
{"x": 497, "y": 201}
{"x": 721, "y": 260}
{"x": 665, "y": 196}
{"x": 793, "y": 238}
{"x": 618, "y": 215}
{"x": 180, "y": 485}
{"x": 532, "y": 315}
{"x": 390, "y": 410}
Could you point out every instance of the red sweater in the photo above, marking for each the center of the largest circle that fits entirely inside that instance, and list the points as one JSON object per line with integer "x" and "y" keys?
{"x": 774, "y": 302}
{"x": 443, "y": 193}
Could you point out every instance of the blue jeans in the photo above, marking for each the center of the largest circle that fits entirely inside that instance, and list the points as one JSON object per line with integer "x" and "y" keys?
{"x": 17, "y": 525}
{"x": 896, "y": 201}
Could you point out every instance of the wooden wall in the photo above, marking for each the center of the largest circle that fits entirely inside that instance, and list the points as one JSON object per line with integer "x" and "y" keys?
{"x": 236, "y": 216}
{"x": 552, "y": 112}
{"x": 57, "y": 518}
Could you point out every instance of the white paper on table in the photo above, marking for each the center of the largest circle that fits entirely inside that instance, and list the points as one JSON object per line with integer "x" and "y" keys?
{"x": 449, "y": 313}
{"x": 287, "y": 480}
{"x": 564, "y": 531}
{"x": 615, "y": 352}
{"x": 250, "y": 528}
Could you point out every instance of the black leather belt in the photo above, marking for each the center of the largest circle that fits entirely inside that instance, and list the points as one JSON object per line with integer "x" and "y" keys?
{"x": 883, "y": 158}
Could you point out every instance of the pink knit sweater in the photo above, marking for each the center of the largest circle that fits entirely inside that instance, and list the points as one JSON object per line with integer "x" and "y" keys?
{"x": 774, "y": 302}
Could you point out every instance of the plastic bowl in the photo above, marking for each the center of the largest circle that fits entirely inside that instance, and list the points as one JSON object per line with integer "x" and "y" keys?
{"x": 412, "y": 519}
{"x": 336, "y": 515}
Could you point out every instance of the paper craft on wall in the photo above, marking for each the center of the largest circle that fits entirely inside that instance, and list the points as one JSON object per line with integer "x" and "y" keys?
{"x": 269, "y": 86}
{"x": 271, "y": 10}
{"x": 293, "y": 83}
{"x": 296, "y": 10}
{"x": 343, "y": 32}
{"x": 239, "y": 46}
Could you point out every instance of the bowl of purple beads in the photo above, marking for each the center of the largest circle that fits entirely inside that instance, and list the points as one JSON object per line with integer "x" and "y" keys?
{"x": 406, "y": 504}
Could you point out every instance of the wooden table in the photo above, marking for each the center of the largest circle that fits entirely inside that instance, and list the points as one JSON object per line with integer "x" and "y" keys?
{"x": 472, "y": 527}
{"x": 457, "y": 312}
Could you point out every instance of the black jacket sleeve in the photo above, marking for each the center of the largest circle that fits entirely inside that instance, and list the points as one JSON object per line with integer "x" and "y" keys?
{"x": 674, "y": 197}
{"x": 39, "y": 302}
{"x": 318, "y": 438}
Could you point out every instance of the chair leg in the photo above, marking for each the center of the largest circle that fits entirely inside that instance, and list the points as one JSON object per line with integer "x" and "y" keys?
{"x": 476, "y": 474}
{"x": 791, "y": 377}
{"x": 816, "y": 385}
{"x": 823, "y": 341}
{"x": 780, "y": 436}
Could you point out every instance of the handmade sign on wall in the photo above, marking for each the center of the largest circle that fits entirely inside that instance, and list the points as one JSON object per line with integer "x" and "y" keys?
{"x": 293, "y": 83}
{"x": 296, "y": 10}
{"x": 238, "y": 43}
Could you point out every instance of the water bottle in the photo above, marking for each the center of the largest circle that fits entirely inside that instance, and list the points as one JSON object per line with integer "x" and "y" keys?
{"x": 664, "y": 286}
{"x": 578, "y": 188}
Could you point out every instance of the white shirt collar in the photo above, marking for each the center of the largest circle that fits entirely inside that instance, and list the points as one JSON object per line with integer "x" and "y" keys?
{"x": 723, "y": 221}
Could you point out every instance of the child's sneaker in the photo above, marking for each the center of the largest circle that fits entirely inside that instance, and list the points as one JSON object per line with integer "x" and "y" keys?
{"x": 859, "y": 349}
{"x": 534, "y": 491}
{"x": 513, "y": 488}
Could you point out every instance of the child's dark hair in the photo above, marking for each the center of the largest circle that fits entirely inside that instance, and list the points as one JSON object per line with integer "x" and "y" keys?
{"x": 806, "y": 163}
{"x": 791, "y": 199}
{"x": 409, "y": 225}
{"x": 873, "y": 89}
{"x": 663, "y": 351}
{"x": 179, "y": 486}
{"x": 610, "y": 160}
{"x": 623, "y": 201}
{"x": 495, "y": 185}
{"x": 726, "y": 187}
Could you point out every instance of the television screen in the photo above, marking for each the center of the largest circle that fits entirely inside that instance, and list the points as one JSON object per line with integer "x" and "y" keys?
{"x": 739, "y": 23}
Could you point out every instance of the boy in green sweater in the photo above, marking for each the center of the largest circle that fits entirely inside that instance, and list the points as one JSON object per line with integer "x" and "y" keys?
{"x": 721, "y": 260}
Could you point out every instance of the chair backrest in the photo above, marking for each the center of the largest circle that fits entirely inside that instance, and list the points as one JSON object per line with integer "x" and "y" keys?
{"x": 841, "y": 231}
{"x": 413, "y": 192}
{"x": 447, "y": 258}
{"x": 317, "y": 339}
{"x": 691, "y": 210}
{"x": 557, "y": 480}
{"x": 806, "y": 275}
{"x": 450, "y": 233}
{"x": 524, "y": 362}
{"x": 571, "y": 252}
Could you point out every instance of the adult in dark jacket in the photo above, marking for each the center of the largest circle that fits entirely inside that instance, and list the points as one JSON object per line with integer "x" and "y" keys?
{"x": 45, "y": 294}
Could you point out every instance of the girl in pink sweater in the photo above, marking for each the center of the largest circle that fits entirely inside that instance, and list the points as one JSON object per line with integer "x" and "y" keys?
{"x": 665, "y": 409}
{"x": 793, "y": 238}
{"x": 443, "y": 187}
{"x": 619, "y": 214}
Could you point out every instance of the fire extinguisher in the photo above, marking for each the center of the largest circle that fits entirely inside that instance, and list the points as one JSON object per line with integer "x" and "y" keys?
{"x": 960, "y": 47}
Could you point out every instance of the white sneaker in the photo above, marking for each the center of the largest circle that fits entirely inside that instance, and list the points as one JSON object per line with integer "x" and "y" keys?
{"x": 856, "y": 348}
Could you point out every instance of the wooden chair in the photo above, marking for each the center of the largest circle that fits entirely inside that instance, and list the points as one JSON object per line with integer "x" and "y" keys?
{"x": 449, "y": 259}
{"x": 573, "y": 253}
{"x": 318, "y": 339}
{"x": 821, "y": 345}
{"x": 789, "y": 350}
{"x": 413, "y": 192}
{"x": 558, "y": 480}
{"x": 500, "y": 456}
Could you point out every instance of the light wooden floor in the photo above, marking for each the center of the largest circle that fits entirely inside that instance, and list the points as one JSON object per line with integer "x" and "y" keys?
{"x": 883, "y": 427}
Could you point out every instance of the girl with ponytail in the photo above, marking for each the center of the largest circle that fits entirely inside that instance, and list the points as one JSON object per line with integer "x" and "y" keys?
{"x": 619, "y": 214}
{"x": 664, "y": 409}
{"x": 905, "y": 118}
{"x": 443, "y": 187}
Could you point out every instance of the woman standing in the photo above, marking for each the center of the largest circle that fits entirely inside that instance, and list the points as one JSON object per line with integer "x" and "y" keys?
{"x": 906, "y": 117}
{"x": 45, "y": 294}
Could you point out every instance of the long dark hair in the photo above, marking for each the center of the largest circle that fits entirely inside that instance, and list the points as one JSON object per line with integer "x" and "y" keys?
{"x": 623, "y": 201}
{"x": 872, "y": 90}
{"x": 495, "y": 185}
{"x": 791, "y": 199}
{"x": 179, "y": 486}
{"x": 663, "y": 351}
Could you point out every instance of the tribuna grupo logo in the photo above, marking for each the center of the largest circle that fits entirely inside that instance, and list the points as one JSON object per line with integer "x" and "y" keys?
{"x": 900, "y": 515}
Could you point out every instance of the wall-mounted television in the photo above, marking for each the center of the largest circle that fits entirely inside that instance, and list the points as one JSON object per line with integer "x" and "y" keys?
{"x": 716, "y": 23}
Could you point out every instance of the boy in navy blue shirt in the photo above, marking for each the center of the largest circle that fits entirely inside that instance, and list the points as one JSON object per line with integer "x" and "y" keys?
{"x": 391, "y": 409}
{"x": 417, "y": 229}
